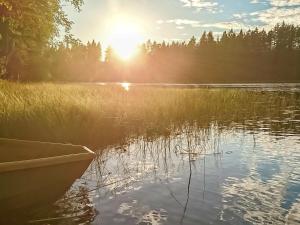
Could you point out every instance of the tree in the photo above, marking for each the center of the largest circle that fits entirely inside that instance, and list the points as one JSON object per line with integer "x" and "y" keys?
{"x": 224, "y": 39}
{"x": 203, "y": 40}
{"x": 284, "y": 36}
{"x": 93, "y": 51}
{"x": 192, "y": 43}
{"x": 211, "y": 43}
{"x": 28, "y": 27}
{"x": 109, "y": 54}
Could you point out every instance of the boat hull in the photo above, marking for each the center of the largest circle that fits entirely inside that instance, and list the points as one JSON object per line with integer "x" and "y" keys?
{"x": 34, "y": 173}
{"x": 37, "y": 186}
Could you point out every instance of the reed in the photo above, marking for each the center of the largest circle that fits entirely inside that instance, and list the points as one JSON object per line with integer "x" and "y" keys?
{"x": 97, "y": 115}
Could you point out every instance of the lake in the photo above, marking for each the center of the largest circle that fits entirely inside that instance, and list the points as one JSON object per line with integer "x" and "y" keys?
{"x": 243, "y": 169}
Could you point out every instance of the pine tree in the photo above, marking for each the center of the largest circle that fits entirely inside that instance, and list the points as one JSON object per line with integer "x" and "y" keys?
{"x": 203, "y": 40}
{"x": 211, "y": 43}
{"x": 192, "y": 43}
{"x": 109, "y": 54}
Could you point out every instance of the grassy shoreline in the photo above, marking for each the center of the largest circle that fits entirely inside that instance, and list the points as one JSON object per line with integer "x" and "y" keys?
{"x": 98, "y": 115}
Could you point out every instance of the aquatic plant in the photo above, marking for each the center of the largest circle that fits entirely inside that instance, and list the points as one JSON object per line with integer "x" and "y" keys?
{"x": 97, "y": 115}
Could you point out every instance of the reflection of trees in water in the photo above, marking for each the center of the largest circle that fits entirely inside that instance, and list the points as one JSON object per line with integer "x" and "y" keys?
{"x": 80, "y": 206}
{"x": 75, "y": 207}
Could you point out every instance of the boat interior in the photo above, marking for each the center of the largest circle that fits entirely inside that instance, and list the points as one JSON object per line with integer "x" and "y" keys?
{"x": 27, "y": 150}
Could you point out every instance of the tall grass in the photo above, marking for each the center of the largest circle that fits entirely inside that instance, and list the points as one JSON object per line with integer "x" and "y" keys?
{"x": 96, "y": 115}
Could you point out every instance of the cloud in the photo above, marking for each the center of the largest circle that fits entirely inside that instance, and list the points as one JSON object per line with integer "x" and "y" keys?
{"x": 285, "y": 3}
{"x": 265, "y": 2}
{"x": 235, "y": 25}
{"x": 240, "y": 15}
{"x": 201, "y": 5}
{"x": 279, "y": 3}
{"x": 181, "y": 22}
{"x": 278, "y": 11}
{"x": 226, "y": 25}
{"x": 275, "y": 15}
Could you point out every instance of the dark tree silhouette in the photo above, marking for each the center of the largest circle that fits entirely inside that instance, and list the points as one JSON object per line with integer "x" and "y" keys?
{"x": 243, "y": 56}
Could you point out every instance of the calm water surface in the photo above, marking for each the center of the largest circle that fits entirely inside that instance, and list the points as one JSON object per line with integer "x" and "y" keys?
{"x": 237, "y": 173}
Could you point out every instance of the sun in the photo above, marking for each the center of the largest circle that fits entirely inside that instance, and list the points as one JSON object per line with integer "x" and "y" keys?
{"x": 124, "y": 37}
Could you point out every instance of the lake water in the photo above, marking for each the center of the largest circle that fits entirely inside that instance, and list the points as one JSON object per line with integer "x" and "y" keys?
{"x": 245, "y": 172}
{"x": 251, "y": 86}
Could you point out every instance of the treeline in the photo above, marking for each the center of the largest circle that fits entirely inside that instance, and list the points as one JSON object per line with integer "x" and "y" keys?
{"x": 244, "y": 56}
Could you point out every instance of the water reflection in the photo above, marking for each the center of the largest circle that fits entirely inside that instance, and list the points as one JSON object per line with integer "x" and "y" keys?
{"x": 218, "y": 172}
{"x": 207, "y": 176}
{"x": 271, "y": 188}
{"x": 125, "y": 86}
{"x": 76, "y": 207}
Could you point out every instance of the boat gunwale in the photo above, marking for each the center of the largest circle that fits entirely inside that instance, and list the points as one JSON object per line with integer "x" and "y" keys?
{"x": 42, "y": 142}
{"x": 12, "y": 166}
{"x": 44, "y": 162}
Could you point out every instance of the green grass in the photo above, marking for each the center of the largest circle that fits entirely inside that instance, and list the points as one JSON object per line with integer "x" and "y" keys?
{"x": 98, "y": 115}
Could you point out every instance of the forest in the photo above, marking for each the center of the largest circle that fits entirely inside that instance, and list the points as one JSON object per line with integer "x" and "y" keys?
{"x": 28, "y": 54}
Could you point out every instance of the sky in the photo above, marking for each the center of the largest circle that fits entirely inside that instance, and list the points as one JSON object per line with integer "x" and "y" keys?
{"x": 179, "y": 19}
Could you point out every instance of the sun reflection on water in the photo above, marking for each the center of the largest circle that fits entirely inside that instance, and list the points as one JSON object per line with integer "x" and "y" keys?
{"x": 126, "y": 86}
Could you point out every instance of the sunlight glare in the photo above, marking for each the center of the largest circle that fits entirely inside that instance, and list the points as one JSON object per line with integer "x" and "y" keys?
{"x": 125, "y": 86}
{"x": 124, "y": 37}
